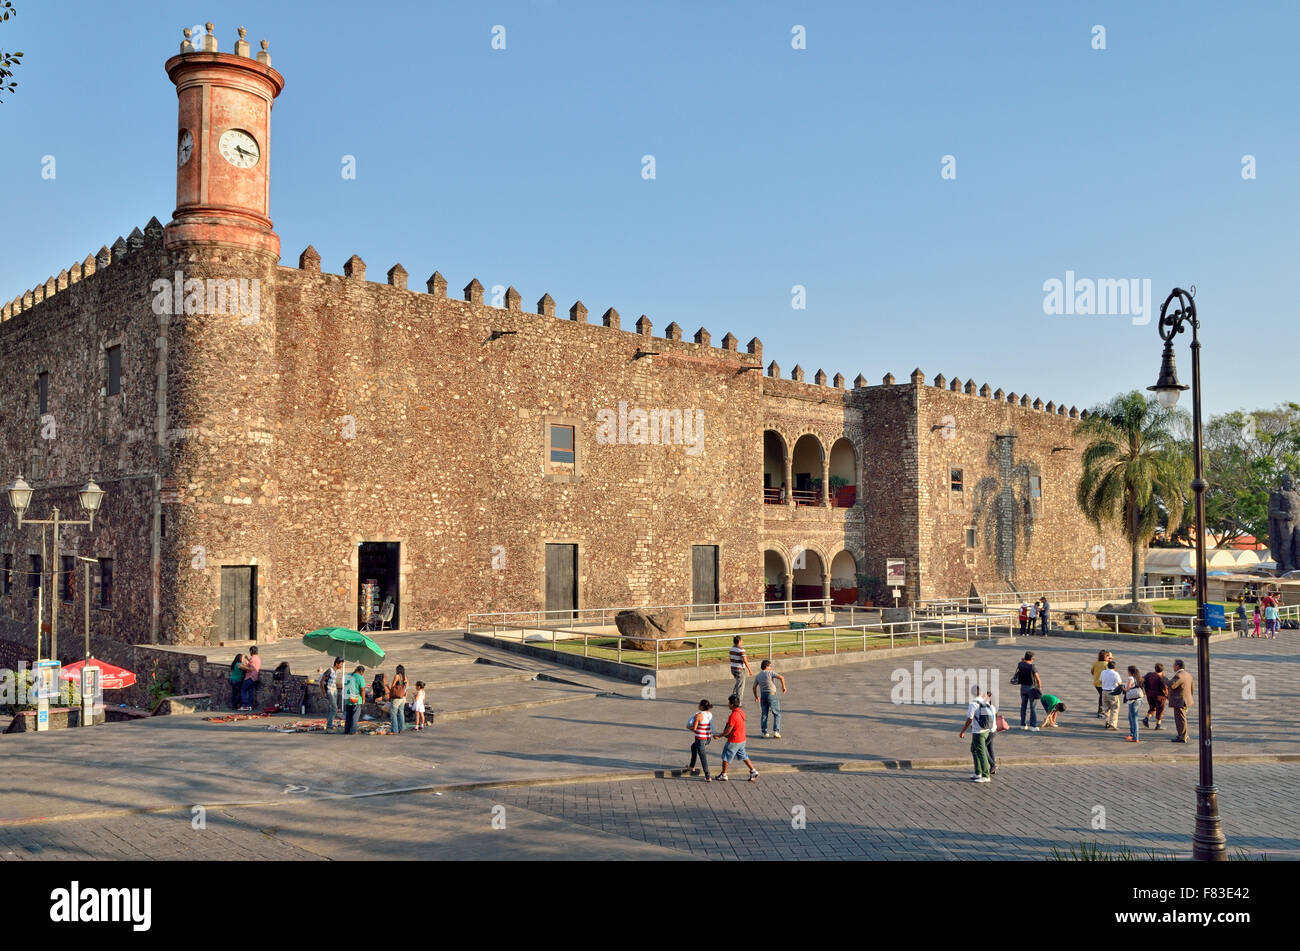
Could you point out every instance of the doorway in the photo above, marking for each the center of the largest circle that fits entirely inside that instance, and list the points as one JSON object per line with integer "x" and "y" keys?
{"x": 704, "y": 574}
{"x": 237, "y": 618}
{"x": 379, "y": 601}
{"x": 561, "y": 582}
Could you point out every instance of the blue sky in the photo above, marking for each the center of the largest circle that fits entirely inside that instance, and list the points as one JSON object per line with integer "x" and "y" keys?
{"x": 775, "y": 167}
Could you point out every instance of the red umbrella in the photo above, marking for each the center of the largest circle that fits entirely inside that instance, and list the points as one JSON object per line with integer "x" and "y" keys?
{"x": 112, "y": 678}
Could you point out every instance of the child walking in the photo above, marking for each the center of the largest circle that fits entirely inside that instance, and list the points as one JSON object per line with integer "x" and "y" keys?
{"x": 1257, "y": 620}
{"x": 417, "y": 706}
{"x": 701, "y": 726}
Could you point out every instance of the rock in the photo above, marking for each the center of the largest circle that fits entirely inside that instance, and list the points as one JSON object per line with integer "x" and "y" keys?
{"x": 1148, "y": 623}
{"x": 896, "y": 615}
{"x": 642, "y": 628}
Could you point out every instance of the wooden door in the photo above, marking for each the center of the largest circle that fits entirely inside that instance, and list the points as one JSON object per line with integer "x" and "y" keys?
{"x": 561, "y": 582}
{"x": 704, "y": 574}
{"x": 238, "y": 616}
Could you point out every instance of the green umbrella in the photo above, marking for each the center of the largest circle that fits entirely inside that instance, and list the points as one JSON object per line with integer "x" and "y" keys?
{"x": 346, "y": 643}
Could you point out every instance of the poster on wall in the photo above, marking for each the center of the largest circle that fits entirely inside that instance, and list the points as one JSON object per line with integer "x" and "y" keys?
{"x": 896, "y": 572}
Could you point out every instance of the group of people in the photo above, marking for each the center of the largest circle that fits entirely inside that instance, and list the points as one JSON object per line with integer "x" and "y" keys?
{"x": 1271, "y": 616}
{"x": 345, "y": 695}
{"x": 733, "y": 734}
{"x": 1157, "y": 688}
{"x": 1034, "y": 617}
{"x": 244, "y": 675}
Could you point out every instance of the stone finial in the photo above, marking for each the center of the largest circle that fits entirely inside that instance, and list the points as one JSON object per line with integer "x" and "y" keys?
{"x": 643, "y": 325}
{"x": 774, "y": 370}
{"x": 61, "y": 280}
{"x": 74, "y": 273}
{"x": 702, "y": 337}
{"x": 135, "y": 239}
{"x": 514, "y": 300}
{"x": 153, "y": 231}
{"x": 940, "y": 381}
{"x": 797, "y": 373}
{"x": 546, "y": 305}
{"x": 859, "y": 381}
{"x": 578, "y": 312}
{"x": 355, "y": 268}
{"x": 397, "y": 276}
{"x": 1012, "y": 397}
{"x": 436, "y": 285}
{"x": 729, "y": 342}
{"x": 1083, "y": 414}
{"x": 209, "y": 41}
{"x": 186, "y": 45}
{"x": 309, "y": 260}
{"x": 1051, "y": 407}
{"x": 4, "y": 312}
{"x": 28, "y": 300}
{"x": 264, "y": 57}
{"x": 610, "y": 318}
{"x": 241, "y": 44}
{"x": 887, "y": 379}
{"x": 88, "y": 265}
{"x": 474, "y": 292}
{"x": 119, "y": 248}
{"x": 838, "y": 380}
{"x": 1000, "y": 396}
{"x": 755, "y": 346}
{"x": 985, "y": 391}
{"x": 103, "y": 257}
{"x": 970, "y": 388}
{"x": 1038, "y": 404}
{"x": 955, "y": 385}
{"x": 38, "y": 293}
{"x": 1060, "y": 410}
{"x": 1074, "y": 412}
{"x": 820, "y": 377}
{"x": 673, "y": 332}
{"x": 1024, "y": 400}
{"x": 918, "y": 377}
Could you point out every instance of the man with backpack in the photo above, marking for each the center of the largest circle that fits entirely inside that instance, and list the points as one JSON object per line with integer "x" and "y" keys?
{"x": 331, "y": 688}
{"x": 981, "y": 720}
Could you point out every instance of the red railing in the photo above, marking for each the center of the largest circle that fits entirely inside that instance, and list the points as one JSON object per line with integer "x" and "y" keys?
{"x": 807, "y": 497}
{"x": 774, "y": 496}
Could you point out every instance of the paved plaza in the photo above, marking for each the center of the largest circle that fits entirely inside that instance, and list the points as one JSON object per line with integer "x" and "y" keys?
{"x": 855, "y": 776}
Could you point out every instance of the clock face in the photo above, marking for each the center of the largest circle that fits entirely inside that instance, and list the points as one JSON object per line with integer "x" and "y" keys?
{"x": 185, "y": 149}
{"x": 238, "y": 148}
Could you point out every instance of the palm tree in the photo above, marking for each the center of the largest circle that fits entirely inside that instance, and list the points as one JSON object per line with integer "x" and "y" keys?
{"x": 1135, "y": 474}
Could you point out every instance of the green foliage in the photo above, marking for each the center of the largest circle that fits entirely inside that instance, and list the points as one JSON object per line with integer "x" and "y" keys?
{"x": 8, "y": 60}
{"x": 1246, "y": 455}
{"x": 160, "y": 683}
{"x": 838, "y": 482}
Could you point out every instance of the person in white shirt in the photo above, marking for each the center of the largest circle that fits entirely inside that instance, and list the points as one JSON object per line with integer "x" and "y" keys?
{"x": 1110, "y": 679}
{"x": 981, "y": 720}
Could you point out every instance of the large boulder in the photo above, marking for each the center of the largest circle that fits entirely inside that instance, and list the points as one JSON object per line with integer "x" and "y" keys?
{"x": 1133, "y": 618}
{"x": 896, "y": 615}
{"x": 642, "y": 627}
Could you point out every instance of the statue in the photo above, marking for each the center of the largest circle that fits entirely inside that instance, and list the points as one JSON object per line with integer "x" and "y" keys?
{"x": 1284, "y": 526}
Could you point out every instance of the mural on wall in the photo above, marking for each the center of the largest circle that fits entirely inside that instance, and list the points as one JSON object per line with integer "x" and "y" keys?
{"x": 1004, "y": 511}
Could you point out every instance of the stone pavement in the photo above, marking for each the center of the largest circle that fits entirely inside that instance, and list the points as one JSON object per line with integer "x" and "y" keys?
{"x": 832, "y": 716}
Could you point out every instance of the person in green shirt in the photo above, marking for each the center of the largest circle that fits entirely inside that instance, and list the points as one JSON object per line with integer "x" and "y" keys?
{"x": 354, "y": 696}
{"x": 1053, "y": 705}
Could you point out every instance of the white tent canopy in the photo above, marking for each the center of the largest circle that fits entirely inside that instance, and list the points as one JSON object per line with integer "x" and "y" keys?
{"x": 1182, "y": 561}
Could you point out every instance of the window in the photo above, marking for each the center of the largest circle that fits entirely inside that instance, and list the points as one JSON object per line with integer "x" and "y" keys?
{"x": 106, "y": 582}
{"x": 970, "y": 537}
{"x": 1035, "y": 487}
{"x": 42, "y": 394}
{"x": 8, "y": 580}
{"x": 67, "y": 578}
{"x": 162, "y": 525}
{"x": 956, "y": 477}
{"x": 114, "y": 370}
{"x": 34, "y": 576}
{"x": 562, "y": 444}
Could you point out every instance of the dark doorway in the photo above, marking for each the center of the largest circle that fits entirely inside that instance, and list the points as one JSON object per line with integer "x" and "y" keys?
{"x": 704, "y": 574}
{"x": 238, "y": 618}
{"x": 561, "y": 582}
{"x": 378, "y": 590}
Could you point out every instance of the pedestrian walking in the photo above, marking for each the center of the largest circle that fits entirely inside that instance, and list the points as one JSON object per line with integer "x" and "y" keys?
{"x": 981, "y": 720}
{"x": 1180, "y": 698}
{"x": 1110, "y": 694}
{"x": 1031, "y": 688}
{"x": 1024, "y": 618}
{"x": 1157, "y": 691}
{"x": 417, "y": 705}
{"x": 397, "y": 701}
{"x": 1271, "y": 617}
{"x": 739, "y": 666}
{"x": 769, "y": 702}
{"x": 999, "y": 724}
{"x": 331, "y": 688}
{"x": 701, "y": 726}
{"x": 354, "y": 695}
{"x": 252, "y": 673}
{"x": 1133, "y": 693}
{"x": 237, "y": 682}
{"x": 1053, "y": 707}
{"x": 1242, "y": 620}
{"x": 734, "y": 747}
{"x": 1044, "y": 613}
{"x": 1098, "y": 666}
{"x": 1257, "y": 619}
{"x": 1033, "y": 616}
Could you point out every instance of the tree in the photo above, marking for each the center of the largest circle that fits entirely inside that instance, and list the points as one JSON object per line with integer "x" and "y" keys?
{"x": 8, "y": 60}
{"x": 1246, "y": 455}
{"x": 1135, "y": 474}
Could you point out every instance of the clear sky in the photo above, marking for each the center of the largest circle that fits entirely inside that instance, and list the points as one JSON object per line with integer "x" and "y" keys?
{"x": 774, "y": 167}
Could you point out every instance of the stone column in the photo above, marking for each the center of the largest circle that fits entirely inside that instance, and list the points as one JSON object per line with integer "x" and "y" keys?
{"x": 826, "y": 479}
{"x": 826, "y": 583}
{"x": 789, "y": 479}
{"x": 789, "y": 592}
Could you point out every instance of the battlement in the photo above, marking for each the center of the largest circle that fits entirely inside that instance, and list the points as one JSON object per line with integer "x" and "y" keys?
{"x": 137, "y": 240}
{"x": 985, "y": 392}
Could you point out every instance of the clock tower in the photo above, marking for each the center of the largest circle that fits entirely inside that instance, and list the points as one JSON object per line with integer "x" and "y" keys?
{"x": 223, "y": 146}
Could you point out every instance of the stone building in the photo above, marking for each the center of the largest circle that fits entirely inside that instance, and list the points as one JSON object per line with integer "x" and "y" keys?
{"x": 281, "y": 446}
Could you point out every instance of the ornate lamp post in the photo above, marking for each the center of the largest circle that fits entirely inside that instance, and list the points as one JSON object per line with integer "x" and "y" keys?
{"x": 1208, "y": 843}
{"x": 20, "y": 497}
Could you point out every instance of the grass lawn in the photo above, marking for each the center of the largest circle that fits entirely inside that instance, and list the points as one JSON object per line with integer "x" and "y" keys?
{"x": 715, "y": 650}
{"x": 1182, "y": 606}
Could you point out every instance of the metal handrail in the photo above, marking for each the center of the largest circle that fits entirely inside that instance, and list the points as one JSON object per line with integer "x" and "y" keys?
{"x": 604, "y": 616}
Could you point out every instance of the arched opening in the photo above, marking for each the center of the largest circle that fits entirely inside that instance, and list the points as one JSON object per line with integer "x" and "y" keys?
{"x": 806, "y": 468}
{"x": 808, "y": 576}
{"x": 844, "y": 474}
{"x": 774, "y": 487}
{"x": 773, "y": 576}
{"x": 844, "y": 579}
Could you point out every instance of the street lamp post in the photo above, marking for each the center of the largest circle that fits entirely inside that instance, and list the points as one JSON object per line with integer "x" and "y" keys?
{"x": 1208, "y": 843}
{"x": 20, "y": 497}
